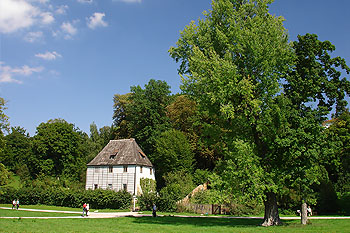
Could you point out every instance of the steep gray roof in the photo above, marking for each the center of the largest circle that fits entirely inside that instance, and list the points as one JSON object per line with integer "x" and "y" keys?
{"x": 121, "y": 152}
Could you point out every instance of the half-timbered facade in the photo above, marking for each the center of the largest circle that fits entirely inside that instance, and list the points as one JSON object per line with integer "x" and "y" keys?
{"x": 120, "y": 165}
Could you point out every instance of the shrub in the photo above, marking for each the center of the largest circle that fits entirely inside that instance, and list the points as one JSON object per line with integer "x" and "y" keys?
{"x": 344, "y": 203}
{"x": 59, "y": 196}
{"x": 149, "y": 195}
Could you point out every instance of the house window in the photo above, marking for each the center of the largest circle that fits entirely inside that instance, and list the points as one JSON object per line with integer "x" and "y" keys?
{"x": 125, "y": 187}
{"x": 109, "y": 186}
{"x": 110, "y": 169}
{"x": 95, "y": 186}
{"x": 125, "y": 168}
{"x": 150, "y": 171}
{"x": 141, "y": 169}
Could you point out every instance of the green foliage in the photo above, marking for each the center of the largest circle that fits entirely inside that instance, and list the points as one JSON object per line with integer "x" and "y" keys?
{"x": 182, "y": 113}
{"x": 344, "y": 203}
{"x": 268, "y": 97}
{"x": 60, "y": 196}
{"x": 338, "y": 164}
{"x": 120, "y": 115}
{"x": 242, "y": 172}
{"x": 327, "y": 199}
{"x": 147, "y": 185}
{"x": 178, "y": 185}
{"x": 58, "y": 150}
{"x": 146, "y": 113}
{"x": 251, "y": 208}
{"x": 216, "y": 192}
{"x": 172, "y": 153}
{"x": 149, "y": 194}
{"x": 201, "y": 176}
{"x": 98, "y": 139}
{"x": 4, "y": 124}
{"x": 4, "y": 175}
{"x": 17, "y": 150}
{"x": 317, "y": 77}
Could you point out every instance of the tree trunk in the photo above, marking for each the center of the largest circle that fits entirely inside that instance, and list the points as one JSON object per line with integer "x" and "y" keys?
{"x": 304, "y": 213}
{"x": 271, "y": 216}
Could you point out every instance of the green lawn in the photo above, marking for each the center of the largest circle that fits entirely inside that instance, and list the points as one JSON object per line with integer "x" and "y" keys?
{"x": 46, "y": 207}
{"x": 21, "y": 213}
{"x": 166, "y": 224}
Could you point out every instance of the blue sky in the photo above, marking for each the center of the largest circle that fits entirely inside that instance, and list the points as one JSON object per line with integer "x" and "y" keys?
{"x": 67, "y": 58}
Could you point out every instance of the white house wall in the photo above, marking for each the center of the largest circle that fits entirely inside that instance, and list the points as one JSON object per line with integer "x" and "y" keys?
{"x": 145, "y": 174}
{"x": 100, "y": 176}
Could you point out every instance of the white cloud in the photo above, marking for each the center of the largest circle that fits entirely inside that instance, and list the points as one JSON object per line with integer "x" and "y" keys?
{"x": 47, "y": 18}
{"x": 7, "y": 73}
{"x": 85, "y": 1}
{"x": 129, "y": 1}
{"x": 48, "y": 55}
{"x": 96, "y": 20}
{"x": 69, "y": 29}
{"x": 41, "y": 1}
{"x": 26, "y": 70}
{"x": 61, "y": 9}
{"x": 33, "y": 36}
{"x": 16, "y": 14}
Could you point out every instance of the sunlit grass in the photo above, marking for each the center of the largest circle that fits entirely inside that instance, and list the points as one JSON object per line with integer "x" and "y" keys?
{"x": 166, "y": 224}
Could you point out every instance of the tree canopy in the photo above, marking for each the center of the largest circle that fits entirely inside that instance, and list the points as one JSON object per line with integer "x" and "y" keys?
{"x": 237, "y": 63}
{"x": 58, "y": 150}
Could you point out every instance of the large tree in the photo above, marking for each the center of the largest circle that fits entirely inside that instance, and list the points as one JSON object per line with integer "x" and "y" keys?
{"x": 238, "y": 65}
{"x": 146, "y": 113}
{"x": 17, "y": 150}
{"x": 338, "y": 164}
{"x": 172, "y": 153}
{"x": 3, "y": 126}
{"x": 58, "y": 150}
{"x": 120, "y": 115}
{"x": 196, "y": 125}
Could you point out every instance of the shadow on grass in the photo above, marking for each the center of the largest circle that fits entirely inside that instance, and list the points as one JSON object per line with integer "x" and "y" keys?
{"x": 203, "y": 222}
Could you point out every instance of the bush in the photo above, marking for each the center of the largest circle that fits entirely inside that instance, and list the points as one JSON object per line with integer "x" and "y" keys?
{"x": 201, "y": 176}
{"x": 166, "y": 203}
{"x": 237, "y": 208}
{"x": 344, "y": 203}
{"x": 146, "y": 201}
{"x": 59, "y": 196}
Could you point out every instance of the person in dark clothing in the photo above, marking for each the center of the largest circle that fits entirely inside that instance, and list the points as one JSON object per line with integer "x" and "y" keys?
{"x": 154, "y": 210}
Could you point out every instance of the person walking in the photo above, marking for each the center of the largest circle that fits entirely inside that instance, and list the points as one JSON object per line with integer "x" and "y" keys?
{"x": 309, "y": 211}
{"x": 13, "y": 204}
{"x": 154, "y": 210}
{"x": 84, "y": 209}
{"x": 87, "y": 209}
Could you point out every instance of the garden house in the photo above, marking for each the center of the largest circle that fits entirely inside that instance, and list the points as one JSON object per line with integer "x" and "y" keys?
{"x": 120, "y": 165}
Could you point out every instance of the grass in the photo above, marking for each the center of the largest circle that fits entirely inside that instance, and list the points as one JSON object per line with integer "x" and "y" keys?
{"x": 149, "y": 224}
{"x": 166, "y": 224}
{"x": 46, "y": 207}
{"x": 19, "y": 213}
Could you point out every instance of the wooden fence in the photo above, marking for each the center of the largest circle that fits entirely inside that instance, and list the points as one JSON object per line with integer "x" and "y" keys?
{"x": 205, "y": 208}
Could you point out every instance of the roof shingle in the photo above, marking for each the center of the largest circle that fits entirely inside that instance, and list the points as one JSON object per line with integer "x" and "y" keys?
{"x": 121, "y": 152}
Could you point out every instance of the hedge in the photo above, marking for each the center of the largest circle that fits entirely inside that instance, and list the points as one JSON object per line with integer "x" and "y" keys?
{"x": 98, "y": 199}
